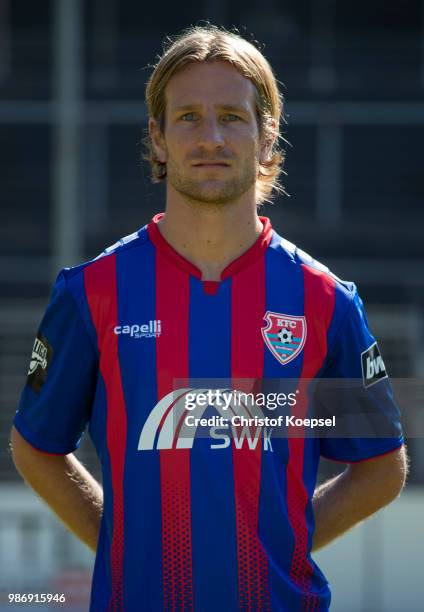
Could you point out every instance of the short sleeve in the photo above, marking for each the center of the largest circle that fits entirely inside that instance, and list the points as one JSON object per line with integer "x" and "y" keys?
{"x": 55, "y": 404}
{"x": 364, "y": 401}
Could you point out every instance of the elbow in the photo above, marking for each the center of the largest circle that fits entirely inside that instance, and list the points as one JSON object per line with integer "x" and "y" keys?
{"x": 399, "y": 472}
{"x": 382, "y": 479}
{"x": 16, "y": 446}
{"x": 400, "y": 476}
{"x": 23, "y": 454}
{"x": 393, "y": 486}
{"x": 395, "y": 476}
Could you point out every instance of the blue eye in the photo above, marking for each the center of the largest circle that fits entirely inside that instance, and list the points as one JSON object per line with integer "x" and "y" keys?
{"x": 231, "y": 117}
{"x": 189, "y": 117}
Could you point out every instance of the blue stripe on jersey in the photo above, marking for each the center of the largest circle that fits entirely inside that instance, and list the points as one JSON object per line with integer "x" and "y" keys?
{"x": 313, "y": 445}
{"x": 214, "y": 546}
{"x": 143, "y": 530}
{"x": 76, "y": 287}
{"x": 272, "y": 527}
{"x": 102, "y": 579}
{"x": 341, "y": 301}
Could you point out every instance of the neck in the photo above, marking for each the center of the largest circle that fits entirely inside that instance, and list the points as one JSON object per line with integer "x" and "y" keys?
{"x": 210, "y": 236}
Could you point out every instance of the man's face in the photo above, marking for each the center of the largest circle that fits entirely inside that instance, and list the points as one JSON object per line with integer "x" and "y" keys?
{"x": 211, "y": 140}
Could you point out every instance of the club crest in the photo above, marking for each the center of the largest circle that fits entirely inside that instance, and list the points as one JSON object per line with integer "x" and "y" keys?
{"x": 284, "y": 335}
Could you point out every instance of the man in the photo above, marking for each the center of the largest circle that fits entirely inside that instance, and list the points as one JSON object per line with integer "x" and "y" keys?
{"x": 206, "y": 291}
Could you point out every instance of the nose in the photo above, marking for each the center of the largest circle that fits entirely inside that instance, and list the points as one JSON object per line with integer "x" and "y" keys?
{"x": 210, "y": 135}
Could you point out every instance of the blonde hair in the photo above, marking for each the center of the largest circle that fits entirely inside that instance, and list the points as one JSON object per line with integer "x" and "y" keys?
{"x": 210, "y": 43}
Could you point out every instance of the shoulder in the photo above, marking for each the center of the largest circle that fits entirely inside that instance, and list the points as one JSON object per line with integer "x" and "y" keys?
{"x": 317, "y": 278}
{"x": 74, "y": 275}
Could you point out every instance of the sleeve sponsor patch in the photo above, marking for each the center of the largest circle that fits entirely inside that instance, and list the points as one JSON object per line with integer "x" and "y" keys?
{"x": 373, "y": 368}
{"x": 41, "y": 357}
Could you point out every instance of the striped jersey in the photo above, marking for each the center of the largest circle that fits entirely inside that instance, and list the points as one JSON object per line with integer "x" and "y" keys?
{"x": 223, "y": 519}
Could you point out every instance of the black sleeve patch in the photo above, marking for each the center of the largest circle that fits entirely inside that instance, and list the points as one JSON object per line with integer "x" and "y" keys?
{"x": 373, "y": 368}
{"x": 41, "y": 357}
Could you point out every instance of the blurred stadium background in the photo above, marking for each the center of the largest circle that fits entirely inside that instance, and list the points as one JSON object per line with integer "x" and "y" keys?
{"x": 72, "y": 115}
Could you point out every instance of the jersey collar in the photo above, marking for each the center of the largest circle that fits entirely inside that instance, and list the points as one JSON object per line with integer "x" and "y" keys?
{"x": 246, "y": 259}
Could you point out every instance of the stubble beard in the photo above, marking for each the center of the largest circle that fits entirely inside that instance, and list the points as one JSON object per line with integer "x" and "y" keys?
{"x": 212, "y": 192}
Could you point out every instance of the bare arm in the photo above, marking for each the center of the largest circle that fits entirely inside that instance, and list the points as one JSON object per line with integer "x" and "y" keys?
{"x": 362, "y": 489}
{"x": 65, "y": 485}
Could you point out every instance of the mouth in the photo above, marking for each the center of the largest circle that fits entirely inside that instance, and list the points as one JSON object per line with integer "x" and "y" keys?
{"x": 211, "y": 164}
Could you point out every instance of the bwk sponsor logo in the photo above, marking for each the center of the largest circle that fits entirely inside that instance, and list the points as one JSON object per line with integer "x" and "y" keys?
{"x": 152, "y": 329}
{"x": 373, "y": 368}
{"x": 167, "y": 426}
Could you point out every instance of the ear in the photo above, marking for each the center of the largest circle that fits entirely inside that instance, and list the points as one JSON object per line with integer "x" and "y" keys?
{"x": 158, "y": 141}
{"x": 267, "y": 140}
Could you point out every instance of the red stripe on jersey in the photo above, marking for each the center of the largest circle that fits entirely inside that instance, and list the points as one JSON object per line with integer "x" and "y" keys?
{"x": 247, "y": 362}
{"x": 319, "y": 299}
{"x": 172, "y": 309}
{"x": 102, "y": 298}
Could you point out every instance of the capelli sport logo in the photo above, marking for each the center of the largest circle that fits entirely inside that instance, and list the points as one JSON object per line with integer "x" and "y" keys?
{"x": 41, "y": 357}
{"x": 152, "y": 329}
